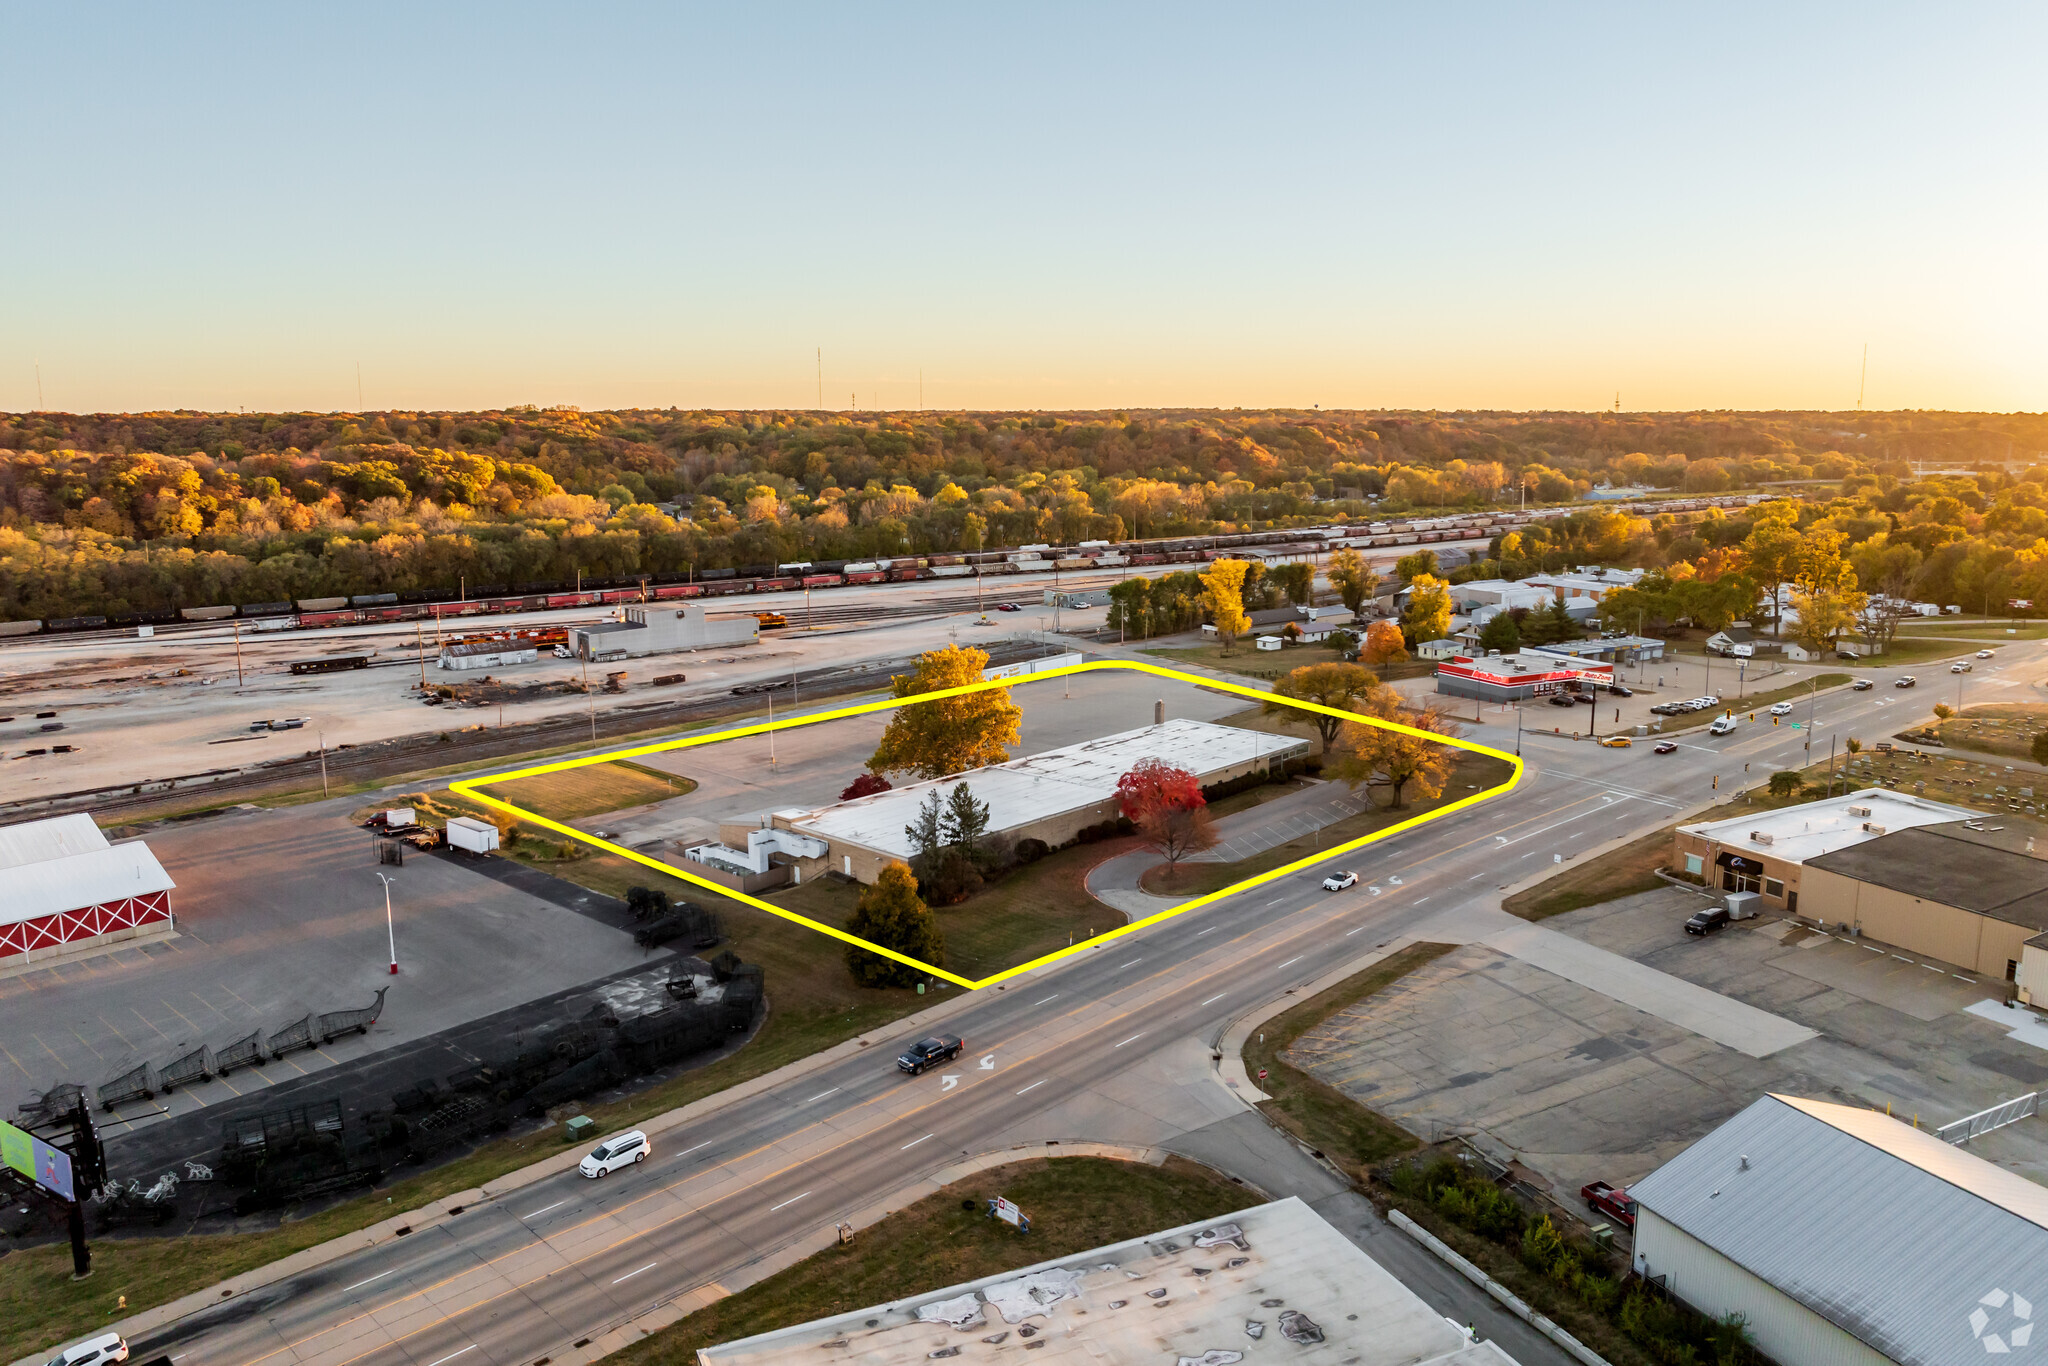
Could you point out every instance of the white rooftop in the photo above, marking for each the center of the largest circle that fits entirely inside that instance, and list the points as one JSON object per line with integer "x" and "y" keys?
{"x": 1798, "y": 833}
{"x": 1272, "y": 1283}
{"x": 65, "y": 863}
{"x": 1024, "y": 791}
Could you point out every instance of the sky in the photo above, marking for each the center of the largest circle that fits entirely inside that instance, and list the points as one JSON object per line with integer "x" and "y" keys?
{"x": 1102, "y": 206}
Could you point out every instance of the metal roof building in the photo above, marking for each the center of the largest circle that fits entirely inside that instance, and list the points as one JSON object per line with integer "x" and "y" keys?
{"x": 1270, "y": 1284}
{"x": 64, "y": 887}
{"x": 1846, "y": 1237}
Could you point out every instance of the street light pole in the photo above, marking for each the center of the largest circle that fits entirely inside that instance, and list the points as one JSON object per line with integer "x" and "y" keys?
{"x": 390, "y": 933}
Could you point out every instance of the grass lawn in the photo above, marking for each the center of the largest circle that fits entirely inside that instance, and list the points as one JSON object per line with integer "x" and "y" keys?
{"x": 1907, "y": 650}
{"x": 1999, "y": 629}
{"x": 1624, "y": 872}
{"x": 1327, "y": 1120}
{"x": 578, "y": 792}
{"x": 2006, "y": 728}
{"x": 1075, "y": 1203}
{"x": 1757, "y": 702}
{"x": 1037, "y": 909}
{"x": 1246, "y": 659}
{"x": 1474, "y": 771}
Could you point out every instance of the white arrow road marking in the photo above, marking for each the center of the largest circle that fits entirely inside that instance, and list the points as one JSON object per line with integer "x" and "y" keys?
{"x": 988, "y": 1062}
{"x": 950, "y": 1081}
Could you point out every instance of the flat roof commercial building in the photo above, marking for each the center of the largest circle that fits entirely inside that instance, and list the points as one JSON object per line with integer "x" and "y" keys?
{"x": 1271, "y": 1283}
{"x": 1051, "y": 796}
{"x": 659, "y": 630}
{"x": 1848, "y": 1238}
{"x": 64, "y": 887}
{"x": 1518, "y": 677}
{"x": 1767, "y": 852}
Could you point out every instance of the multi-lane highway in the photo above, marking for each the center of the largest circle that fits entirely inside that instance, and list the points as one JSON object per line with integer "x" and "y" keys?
{"x": 1115, "y": 1046}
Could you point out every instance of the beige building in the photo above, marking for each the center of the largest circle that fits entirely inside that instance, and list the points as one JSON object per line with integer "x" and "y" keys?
{"x": 1767, "y": 852}
{"x": 1970, "y": 892}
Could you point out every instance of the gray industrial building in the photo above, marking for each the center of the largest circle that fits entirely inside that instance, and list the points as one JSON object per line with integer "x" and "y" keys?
{"x": 1845, "y": 1237}
{"x": 658, "y": 630}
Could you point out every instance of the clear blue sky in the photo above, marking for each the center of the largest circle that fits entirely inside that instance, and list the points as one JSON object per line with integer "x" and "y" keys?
{"x": 1036, "y": 206}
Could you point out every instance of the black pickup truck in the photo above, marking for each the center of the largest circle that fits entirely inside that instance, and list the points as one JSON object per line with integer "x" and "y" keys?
{"x": 931, "y": 1052}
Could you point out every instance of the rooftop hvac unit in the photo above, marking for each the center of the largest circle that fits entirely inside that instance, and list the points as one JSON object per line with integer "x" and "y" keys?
{"x": 1860, "y": 812}
{"x": 1872, "y": 828}
{"x": 1759, "y": 837}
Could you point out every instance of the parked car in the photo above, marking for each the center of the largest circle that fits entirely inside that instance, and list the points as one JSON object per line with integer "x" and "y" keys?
{"x": 1907, "y": 682}
{"x": 1618, "y": 690}
{"x": 1614, "y": 742}
{"x": 1560, "y": 699}
{"x": 1665, "y": 747}
{"x": 931, "y": 1052}
{"x": 1723, "y": 725}
{"x": 1782, "y": 709}
{"x": 1584, "y": 697}
{"x": 1008, "y": 607}
{"x": 1707, "y": 921}
{"x": 614, "y": 1153}
{"x": 1611, "y": 1201}
{"x": 1962, "y": 668}
{"x": 93, "y": 1351}
{"x": 1861, "y": 685}
{"x": 1983, "y": 654}
{"x": 1337, "y": 882}
{"x": 1847, "y": 656}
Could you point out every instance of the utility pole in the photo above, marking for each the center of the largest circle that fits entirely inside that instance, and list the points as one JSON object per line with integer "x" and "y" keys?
{"x": 420, "y": 640}
{"x": 238, "y": 654}
{"x": 589, "y": 702}
{"x": 389, "y": 931}
{"x": 771, "y": 730}
{"x": 323, "y": 763}
{"x": 1864, "y": 378}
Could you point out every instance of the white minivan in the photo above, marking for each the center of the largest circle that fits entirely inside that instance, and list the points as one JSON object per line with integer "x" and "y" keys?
{"x": 105, "y": 1347}
{"x": 608, "y": 1156}
{"x": 1723, "y": 725}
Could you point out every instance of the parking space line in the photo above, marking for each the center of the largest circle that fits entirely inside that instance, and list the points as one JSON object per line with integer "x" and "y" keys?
{"x": 17, "y": 1063}
{"x": 208, "y": 1004}
{"x": 145, "y": 1019}
{"x": 88, "y": 1047}
{"x": 175, "y": 1011}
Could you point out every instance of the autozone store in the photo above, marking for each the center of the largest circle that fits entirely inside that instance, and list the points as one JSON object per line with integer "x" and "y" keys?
{"x": 63, "y": 887}
{"x": 1509, "y": 678}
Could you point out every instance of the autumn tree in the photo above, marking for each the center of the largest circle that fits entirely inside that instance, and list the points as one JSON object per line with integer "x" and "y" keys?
{"x": 1384, "y": 645}
{"x": 1770, "y": 551}
{"x": 892, "y": 916}
{"x": 1297, "y": 581}
{"x": 1223, "y": 594}
{"x": 1824, "y": 617}
{"x": 1326, "y": 685}
{"x": 1353, "y": 579}
{"x": 866, "y": 785}
{"x": 1428, "y": 613}
{"x": 948, "y": 734}
{"x": 1417, "y": 565}
{"x": 1166, "y": 805}
{"x": 1399, "y": 755}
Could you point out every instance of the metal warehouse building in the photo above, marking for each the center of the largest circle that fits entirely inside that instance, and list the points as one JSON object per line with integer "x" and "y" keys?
{"x": 63, "y": 887}
{"x": 659, "y": 630}
{"x": 1847, "y": 1238}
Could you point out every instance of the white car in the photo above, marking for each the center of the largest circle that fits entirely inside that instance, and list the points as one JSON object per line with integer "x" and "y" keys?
{"x": 1723, "y": 725}
{"x": 614, "y": 1153}
{"x": 105, "y": 1347}
{"x": 1983, "y": 654}
{"x": 1337, "y": 882}
{"x": 1782, "y": 709}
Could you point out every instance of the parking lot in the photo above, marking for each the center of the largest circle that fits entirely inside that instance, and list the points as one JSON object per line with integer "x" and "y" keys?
{"x": 1582, "y": 1087}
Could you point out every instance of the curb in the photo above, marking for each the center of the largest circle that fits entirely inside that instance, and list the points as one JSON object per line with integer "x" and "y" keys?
{"x": 436, "y": 1212}
{"x": 1507, "y": 1297}
{"x": 1230, "y": 1067}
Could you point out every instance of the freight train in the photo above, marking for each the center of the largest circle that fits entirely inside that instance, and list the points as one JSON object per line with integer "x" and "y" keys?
{"x": 497, "y": 599}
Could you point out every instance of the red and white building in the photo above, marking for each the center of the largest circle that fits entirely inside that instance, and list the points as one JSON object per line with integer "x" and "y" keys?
{"x": 1515, "y": 678}
{"x": 63, "y": 887}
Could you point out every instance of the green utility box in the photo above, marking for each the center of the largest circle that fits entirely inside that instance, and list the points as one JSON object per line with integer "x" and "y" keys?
{"x": 580, "y": 1128}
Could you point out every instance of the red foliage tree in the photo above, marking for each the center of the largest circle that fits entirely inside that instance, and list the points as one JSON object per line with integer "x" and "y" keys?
{"x": 866, "y": 785}
{"x": 1167, "y": 807}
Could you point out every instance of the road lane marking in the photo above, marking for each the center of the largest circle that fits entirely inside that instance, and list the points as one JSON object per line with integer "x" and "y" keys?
{"x": 1292, "y": 961}
{"x": 1211, "y": 930}
{"x": 787, "y": 1203}
{"x": 471, "y": 1348}
{"x": 378, "y": 1277}
{"x": 1054, "y": 997}
{"x": 1035, "y": 1085}
{"x": 987, "y": 1063}
{"x": 1134, "y": 1038}
{"x": 535, "y": 1215}
{"x": 1133, "y": 963}
{"x": 622, "y": 1280}
{"x": 822, "y": 1094}
{"x": 1217, "y": 997}
{"x": 1349, "y": 933}
{"x": 687, "y": 1151}
{"x": 912, "y": 1144}
{"x": 1418, "y": 901}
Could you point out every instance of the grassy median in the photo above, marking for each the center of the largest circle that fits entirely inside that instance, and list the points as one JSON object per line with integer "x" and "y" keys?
{"x": 1075, "y": 1203}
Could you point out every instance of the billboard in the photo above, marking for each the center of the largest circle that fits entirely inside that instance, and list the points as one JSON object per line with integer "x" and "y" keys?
{"x": 48, "y": 1167}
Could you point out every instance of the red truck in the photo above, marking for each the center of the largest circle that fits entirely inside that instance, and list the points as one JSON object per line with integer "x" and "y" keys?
{"x": 1602, "y": 1198}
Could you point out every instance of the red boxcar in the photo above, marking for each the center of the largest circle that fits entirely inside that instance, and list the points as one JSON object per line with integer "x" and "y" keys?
{"x": 822, "y": 580}
{"x": 870, "y": 576}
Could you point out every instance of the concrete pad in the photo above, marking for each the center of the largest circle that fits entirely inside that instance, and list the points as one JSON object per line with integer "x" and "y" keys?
{"x": 2021, "y": 1025}
{"x": 1910, "y": 987}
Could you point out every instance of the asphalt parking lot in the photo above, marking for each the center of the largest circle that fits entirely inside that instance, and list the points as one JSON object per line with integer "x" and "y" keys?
{"x": 280, "y": 913}
{"x": 1580, "y": 1086}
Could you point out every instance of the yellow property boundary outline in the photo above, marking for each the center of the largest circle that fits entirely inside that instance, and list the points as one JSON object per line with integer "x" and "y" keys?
{"x": 471, "y": 788}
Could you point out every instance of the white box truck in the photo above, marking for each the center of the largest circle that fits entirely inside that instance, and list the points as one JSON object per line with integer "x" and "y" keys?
{"x": 478, "y": 837}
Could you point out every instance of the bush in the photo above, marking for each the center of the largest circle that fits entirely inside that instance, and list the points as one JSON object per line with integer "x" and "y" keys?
{"x": 1031, "y": 850}
{"x": 2039, "y": 749}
